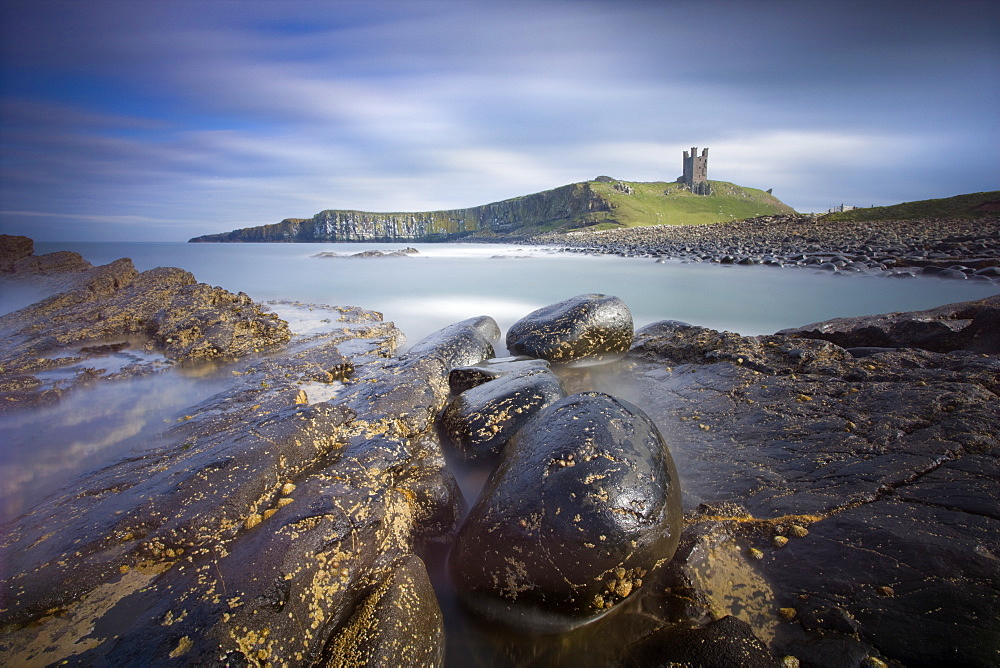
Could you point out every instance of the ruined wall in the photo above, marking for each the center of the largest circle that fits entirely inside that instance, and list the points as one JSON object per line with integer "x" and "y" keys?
{"x": 695, "y": 174}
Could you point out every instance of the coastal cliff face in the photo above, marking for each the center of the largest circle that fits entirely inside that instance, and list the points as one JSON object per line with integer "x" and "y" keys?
{"x": 598, "y": 204}
{"x": 502, "y": 217}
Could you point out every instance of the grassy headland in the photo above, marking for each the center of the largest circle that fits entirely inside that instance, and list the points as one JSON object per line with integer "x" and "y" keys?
{"x": 660, "y": 203}
{"x": 971, "y": 206}
{"x": 603, "y": 203}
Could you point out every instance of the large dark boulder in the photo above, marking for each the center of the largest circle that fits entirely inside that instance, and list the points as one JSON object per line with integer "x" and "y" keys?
{"x": 483, "y": 419}
{"x": 729, "y": 641}
{"x": 461, "y": 344}
{"x": 465, "y": 377}
{"x": 584, "y": 504}
{"x": 578, "y": 327}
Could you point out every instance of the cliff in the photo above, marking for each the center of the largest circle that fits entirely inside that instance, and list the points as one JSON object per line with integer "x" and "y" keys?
{"x": 604, "y": 202}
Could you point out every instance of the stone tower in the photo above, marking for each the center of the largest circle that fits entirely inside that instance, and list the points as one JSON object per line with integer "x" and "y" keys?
{"x": 695, "y": 175}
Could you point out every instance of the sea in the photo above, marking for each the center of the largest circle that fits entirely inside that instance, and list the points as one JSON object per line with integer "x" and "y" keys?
{"x": 45, "y": 449}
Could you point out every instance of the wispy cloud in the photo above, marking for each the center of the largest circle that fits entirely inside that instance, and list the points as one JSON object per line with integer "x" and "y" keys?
{"x": 205, "y": 117}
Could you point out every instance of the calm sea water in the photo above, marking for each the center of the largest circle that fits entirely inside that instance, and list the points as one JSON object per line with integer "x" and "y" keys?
{"x": 445, "y": 283}
{"x": 44, "y": 449}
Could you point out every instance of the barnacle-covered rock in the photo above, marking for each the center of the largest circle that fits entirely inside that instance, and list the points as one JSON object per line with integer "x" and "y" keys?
{"x": 578, "y": 327}
{"x": 583, "y": 505}
{"x": 481, "y": 420}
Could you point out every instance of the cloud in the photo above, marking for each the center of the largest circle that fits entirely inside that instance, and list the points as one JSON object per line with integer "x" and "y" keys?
{"x": 218, "y": 115}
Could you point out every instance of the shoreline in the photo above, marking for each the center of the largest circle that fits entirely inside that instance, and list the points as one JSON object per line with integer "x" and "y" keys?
{"x": 953, "y": 249}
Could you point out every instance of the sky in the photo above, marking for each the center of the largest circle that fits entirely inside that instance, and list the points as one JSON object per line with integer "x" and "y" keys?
{"x": 135, "y": 120}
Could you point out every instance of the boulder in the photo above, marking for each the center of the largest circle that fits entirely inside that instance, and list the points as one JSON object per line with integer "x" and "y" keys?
{"x": 465, "y": 377}
{"x": 14, "y": 248}
{"x": 728, "y": 641}
{"x": 401, "y": 620}
{"x": 461, "y": 344}
{"x": 483, "y": 419}
{"x": 578, "y": 327}
{"x": 583, "y": 505}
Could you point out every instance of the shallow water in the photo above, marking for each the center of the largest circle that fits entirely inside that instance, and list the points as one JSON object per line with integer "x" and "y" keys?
{"x": 442, "y": 284}
{"x": 445, "y": 283}
{"x": 46, "y": 448}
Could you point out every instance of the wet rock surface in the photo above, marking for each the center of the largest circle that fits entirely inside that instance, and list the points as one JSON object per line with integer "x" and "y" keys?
{"x": 582, "y": 506}
{"x": 971, "y": 326}
{"x": 102, "y": 310}
{"x": 259, "y": 529}
{"x": 845, "y": 507}
{"x": 465, "y": 343}
{"x": 399, "y": 623}
{"x": 725, "y": 642}
{"x": 463, "y": 378}
{"x": 840, "y": 498}
{"x": 581, "y": 326}
{"x": 481, "y": 420}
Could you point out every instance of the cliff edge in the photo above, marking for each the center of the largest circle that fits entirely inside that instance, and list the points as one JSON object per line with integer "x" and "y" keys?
{"x": 602, "y": 203}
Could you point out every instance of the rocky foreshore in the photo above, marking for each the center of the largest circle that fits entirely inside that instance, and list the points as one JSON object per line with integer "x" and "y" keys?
{"x": 956, "y": 249}
{"x": 146, "y": 320}
{"x": 825, "y": 496}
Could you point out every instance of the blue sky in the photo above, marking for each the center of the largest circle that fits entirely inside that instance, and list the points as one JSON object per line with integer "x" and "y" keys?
{"x": 136, "y": 120}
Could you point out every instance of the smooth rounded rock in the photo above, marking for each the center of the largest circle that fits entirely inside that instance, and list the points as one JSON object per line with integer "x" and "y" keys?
{"x": 583, "y": 505}
{"x": 483, "y": 419}
{"x": 580, "y": 326}
{"x": 466, "y": 377}
{"x": 461, "y": 344}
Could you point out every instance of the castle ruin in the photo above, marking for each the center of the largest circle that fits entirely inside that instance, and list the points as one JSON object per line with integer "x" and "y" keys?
{"x": 695, "y": 175}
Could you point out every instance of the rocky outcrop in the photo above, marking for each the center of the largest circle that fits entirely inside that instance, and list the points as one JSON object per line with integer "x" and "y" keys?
{"x": 955, "y": 249}
{"x": 839, "y": 504}
{"x": 404, "y": 252}
{"x": 264, "y": 528}
{"x": 971, "y": 326}
{"x": 581, "y": 326}
{"x": 843, "y": 506}
{"x": 582, "y": 506}
{"x": 163, "y": 310}
{"x": 12, "y": 249}
{"x": 18, "y": 259}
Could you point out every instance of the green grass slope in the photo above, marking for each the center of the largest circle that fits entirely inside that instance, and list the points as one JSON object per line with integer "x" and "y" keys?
{"x": 973, "y": 205}
{"x": 660, "y": 203}
{"x": 637, "y": 204}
